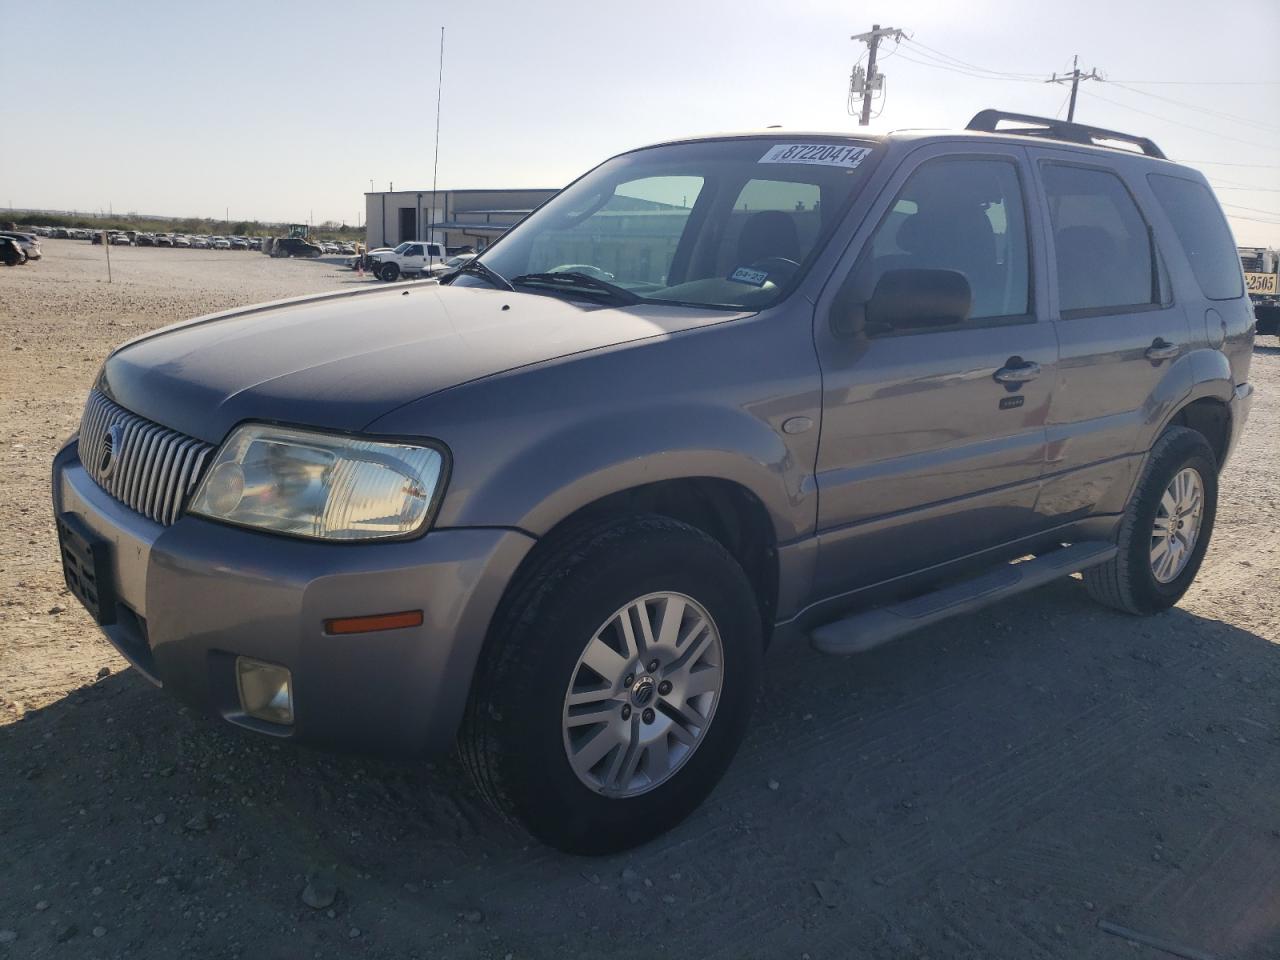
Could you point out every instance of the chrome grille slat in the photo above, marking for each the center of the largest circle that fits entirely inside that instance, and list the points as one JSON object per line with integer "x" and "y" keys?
{"x": 176, "y": 487}
{"x": 159, "y": 480}
{"x": 137, "y": 438}
{"x": 147, "y": 456}
{"x": 155, "y": 469}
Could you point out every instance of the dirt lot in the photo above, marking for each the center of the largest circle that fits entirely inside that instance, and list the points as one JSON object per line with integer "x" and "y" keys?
{"x": 1008, "y": 785}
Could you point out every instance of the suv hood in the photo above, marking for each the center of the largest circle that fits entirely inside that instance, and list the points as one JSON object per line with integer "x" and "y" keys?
{"x": 339, "y": 361}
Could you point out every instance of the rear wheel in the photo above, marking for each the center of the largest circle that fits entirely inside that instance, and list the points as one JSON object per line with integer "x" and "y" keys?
{"x": 1166, "y": 528}
{"x": 616, "y": 686}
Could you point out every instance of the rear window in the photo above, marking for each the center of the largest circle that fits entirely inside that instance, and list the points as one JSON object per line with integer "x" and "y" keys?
{"x": 1203, "y": 232}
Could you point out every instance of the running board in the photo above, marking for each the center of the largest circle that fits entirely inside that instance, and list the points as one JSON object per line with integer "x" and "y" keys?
{"x": 870, "y": 628}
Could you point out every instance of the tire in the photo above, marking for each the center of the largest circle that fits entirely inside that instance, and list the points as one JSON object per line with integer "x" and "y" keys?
{"x": 1129, "y": 582}
{"x": 515, "y": 740}
{"x": 389, "y": 272}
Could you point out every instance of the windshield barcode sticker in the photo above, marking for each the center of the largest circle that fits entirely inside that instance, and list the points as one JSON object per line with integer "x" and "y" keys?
{"x": 827, "y": 154}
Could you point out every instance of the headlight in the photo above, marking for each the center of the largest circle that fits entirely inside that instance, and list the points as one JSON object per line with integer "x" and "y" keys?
{"x": 319, "y": 485}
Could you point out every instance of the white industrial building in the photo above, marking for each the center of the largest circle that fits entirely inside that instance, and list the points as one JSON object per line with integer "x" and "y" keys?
{"x": 457, "y": 218}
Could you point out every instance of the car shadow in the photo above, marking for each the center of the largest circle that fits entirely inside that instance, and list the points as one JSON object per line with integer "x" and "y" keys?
{"x": 993, "y": 787}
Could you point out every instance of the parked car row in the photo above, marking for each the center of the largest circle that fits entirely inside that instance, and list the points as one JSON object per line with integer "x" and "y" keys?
{"x": 193, "y": 241}
{"x": 197, "y": 242}
{"x": 25, "y": 246}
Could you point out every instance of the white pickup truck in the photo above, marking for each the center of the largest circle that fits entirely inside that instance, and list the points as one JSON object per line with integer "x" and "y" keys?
{"x": 410, "y": 258}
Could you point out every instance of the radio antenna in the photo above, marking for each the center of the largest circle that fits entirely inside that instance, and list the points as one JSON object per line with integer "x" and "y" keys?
{"x": 435, "y": 166}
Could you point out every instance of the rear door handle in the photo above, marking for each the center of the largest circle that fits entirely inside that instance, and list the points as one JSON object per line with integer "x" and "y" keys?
{"x": 1161, "y": 349}
{"x": 1017, "y": 370}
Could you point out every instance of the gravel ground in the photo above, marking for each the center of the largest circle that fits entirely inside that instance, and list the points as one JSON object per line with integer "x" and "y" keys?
{"x": 1014, "y": 784}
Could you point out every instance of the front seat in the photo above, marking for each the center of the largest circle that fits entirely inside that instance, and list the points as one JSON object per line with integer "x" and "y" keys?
{"x": 769, "y": 233}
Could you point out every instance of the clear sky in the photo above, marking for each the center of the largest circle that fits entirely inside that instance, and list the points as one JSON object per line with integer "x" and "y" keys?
{"x": 284, "y": 109}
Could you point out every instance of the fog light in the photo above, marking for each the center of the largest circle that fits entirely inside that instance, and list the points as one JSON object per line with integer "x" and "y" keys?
{"x": 266, "y": 690}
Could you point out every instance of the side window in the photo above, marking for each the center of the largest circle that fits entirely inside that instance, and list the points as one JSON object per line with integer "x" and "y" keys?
{"x": 1203, "y": 233}
{"x": 960, "y": 214}
{"x": 1106, "y": 262}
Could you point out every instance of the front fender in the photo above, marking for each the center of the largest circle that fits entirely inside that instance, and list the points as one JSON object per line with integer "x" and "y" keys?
{"x": 532, "y": 446}
{"x": 590, "y": 458}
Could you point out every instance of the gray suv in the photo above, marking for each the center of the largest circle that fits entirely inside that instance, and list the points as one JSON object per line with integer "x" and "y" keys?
{"x": 718, "y": 393}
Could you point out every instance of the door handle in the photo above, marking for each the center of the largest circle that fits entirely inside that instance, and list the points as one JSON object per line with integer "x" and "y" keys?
{"x": 1017, "y": 370}
{"x": 1161, "y": 349}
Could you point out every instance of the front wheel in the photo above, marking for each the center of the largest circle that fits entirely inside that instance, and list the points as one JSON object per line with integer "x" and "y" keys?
{"x": 389, "y": 272}
{"x": 1165, "y": 530}
{"x": 616, "y": 685}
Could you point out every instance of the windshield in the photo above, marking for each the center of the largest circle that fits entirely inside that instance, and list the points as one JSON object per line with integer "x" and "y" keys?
{"x": 403, "y": 247}
{"x": 723, "y": 223}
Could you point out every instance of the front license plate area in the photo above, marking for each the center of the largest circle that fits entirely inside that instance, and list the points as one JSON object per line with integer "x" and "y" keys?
{"x": 86, "y": 565}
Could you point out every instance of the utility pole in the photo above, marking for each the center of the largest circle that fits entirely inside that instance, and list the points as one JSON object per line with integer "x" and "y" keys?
{"x": 873, "y": 80}
{"x": 1075, "y": 76}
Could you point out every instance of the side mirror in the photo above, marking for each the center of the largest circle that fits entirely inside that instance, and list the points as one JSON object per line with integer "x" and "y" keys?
{"x": 915, "y": 298}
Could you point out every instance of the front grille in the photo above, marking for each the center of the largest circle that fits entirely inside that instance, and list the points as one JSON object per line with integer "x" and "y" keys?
{"x": 145, "y": 466}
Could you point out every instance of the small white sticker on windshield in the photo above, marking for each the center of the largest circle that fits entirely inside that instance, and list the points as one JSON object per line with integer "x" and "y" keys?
{"x": 756, "y": 278}
{"x": 826, "y": 154}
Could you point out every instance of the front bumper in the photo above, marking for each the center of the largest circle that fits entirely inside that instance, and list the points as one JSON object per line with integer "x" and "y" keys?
{"x": 193, "y": 596}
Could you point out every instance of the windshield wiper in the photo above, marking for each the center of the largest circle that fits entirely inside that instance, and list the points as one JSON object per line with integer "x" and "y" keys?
{"x": 579, "y": 281}
{"x": 487, "y": 273}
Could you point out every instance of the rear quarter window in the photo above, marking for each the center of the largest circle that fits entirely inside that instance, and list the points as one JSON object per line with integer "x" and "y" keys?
{"x": 1203, "y": 233}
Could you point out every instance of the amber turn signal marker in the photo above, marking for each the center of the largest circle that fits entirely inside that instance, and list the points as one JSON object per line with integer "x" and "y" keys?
{"x": 378, "y": 621}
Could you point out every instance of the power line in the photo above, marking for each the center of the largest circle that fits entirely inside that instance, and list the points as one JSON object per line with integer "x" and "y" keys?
{"x": 1228, "y": 163}
{"x": 1058, "y": 112}
{"x": 926, "y": 51}
{"x": 1219, "y": 186}
{"x": 1236, "y": 216}
{"x": 1202, "y": 83}
{"x": 1241, "y": 185}
{"x": 963, "y": 72}
{"x": 1237, "y": 206}
{"x": 1189, "y": 106}
{"x": 1180, "y": 123}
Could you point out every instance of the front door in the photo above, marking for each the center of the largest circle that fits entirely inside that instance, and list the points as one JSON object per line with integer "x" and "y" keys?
{"x": 925, "y": 455}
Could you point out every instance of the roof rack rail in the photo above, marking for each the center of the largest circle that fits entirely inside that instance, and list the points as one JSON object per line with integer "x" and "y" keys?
{"x": 1051, "y": 129}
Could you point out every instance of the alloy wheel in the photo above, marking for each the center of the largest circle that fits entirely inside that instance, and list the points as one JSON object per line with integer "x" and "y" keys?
{"x": 1177, "y": 525}
{"x": 643, "y": 694}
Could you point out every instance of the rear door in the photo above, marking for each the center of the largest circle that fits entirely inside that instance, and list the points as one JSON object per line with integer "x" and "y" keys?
{"x": 1120, "y": 333}
{"x": 924, "y": 456}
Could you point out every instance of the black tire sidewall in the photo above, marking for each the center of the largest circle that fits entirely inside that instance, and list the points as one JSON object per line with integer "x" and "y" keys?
{"x": 1188, "y": 450}
{"x": 553, "y": 803}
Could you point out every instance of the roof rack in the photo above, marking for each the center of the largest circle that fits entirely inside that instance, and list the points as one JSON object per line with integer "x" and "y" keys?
{"x": 1050, "y": 129}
